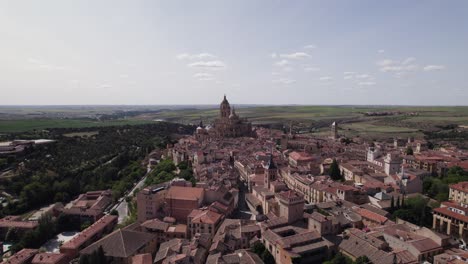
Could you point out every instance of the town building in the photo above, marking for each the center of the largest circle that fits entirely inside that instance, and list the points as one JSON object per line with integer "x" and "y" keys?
{"x": 23, "y": 256}
{"x": 180, "y": 201}
{"x": 203, "y": 221}
{"x": 50, "y": 258}
{"x": 89, "y": 206}
{"x": 149, "y": 202}
{"x": 121, "y": 245}
{"x": 94, "y": 232}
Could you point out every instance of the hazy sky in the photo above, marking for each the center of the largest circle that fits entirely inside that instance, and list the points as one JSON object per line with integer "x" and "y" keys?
{"x": 265, "y": 52}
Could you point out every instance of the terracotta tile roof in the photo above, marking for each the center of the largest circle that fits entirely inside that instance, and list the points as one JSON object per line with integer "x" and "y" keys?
{"x": 155, "y": 224}
{"x": 21, "y": 256}
{"x": 300, "y": 156}
{"x": 185, "y": 193}
{"x": 48, "y": 258}
{"x": 15, "y": 222}
{"x": 90, "y": 232}
{"x": 461, "y": 186}
{"x": 142, "y": 259}
{"x": 369, "y": 215}
{"x": 120, "y": 243}
{"x": 318, "y": 217}
{"x": 204, "y": 216}
{"x": 446, "y": 211}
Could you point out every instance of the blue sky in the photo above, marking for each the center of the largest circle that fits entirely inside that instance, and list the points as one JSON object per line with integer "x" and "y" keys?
{"x": 256, "y": 52}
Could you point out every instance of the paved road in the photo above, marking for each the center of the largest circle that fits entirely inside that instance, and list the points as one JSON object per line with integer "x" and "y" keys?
{"x": 122, "y": 206}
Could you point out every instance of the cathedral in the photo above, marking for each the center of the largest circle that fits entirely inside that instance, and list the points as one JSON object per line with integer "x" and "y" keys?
{"x": 228, "y": 124}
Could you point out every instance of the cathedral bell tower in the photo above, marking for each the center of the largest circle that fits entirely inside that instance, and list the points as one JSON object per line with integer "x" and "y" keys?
{"x": 271, "y": 172}
{"x": 225, "y": 108}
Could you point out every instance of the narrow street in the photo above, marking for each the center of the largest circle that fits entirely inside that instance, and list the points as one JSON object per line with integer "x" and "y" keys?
{"x": 122, "y": 205}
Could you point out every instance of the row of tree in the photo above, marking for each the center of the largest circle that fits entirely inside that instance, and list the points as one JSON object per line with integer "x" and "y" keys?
{"x": 109, "y": 159}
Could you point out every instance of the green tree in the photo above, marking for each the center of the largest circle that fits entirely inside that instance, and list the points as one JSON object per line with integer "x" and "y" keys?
{"x": 392, "y": 204}
{"x": 409, "y": 150}
{"x": 334, "y": 171}
{"x": 267, "y": 257}
{"x": 362, "y": 260}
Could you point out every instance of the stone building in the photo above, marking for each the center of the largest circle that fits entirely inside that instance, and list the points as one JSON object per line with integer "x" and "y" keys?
{"x": 229, "y": 124}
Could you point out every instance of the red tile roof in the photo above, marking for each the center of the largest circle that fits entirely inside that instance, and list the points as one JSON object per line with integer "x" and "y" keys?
{"x": 90, "y": 232}
{"x": 204, "y": 216}
{"x": 461, "y": 186}
{"x": 49, "y": 258}
{"x": 21, "y": 256}
{"x": 185, "y": 193}
{"x": 369, "y": 215}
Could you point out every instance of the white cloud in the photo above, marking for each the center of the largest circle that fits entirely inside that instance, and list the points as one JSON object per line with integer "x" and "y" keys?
{"x": 311, "y": 69}
{"x": 311, "y": 46}
{"x": 200, "y": 56}
{"x": 325, "y": 78}
{"x": 406, "y": 65}
{"x": 366, "y": 83}
{"x": 408, "y": 60}
{"x": 211, "y": 65}
{"x": 348, "y": 77}
{"x": 275, "y": 73}
{"x": 295, "y": 55}
{"x": 274, "y": 55}
{"x": 282, "y": 63}
{"x": 348, "y": 73}
{"x": 434, "y": 67}
{"x": 105, "y": 86}
{"x": 385, "y": 62}
{"x": 284, "y": 81}
{"x": 123, "y": 76}
{"x": 363, "y": 76}
{"x": 44, "y": 65}
{"x": 288, "y": 69}
{"x": 381, "y": 51}
{"x": 203, "y": 76}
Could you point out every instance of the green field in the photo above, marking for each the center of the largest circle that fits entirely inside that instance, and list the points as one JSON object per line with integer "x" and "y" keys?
{"x": 353, "y": 122}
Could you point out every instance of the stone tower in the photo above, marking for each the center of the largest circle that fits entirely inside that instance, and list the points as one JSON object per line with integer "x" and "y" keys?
{"x": 392, "y": 164}
{"x": 334, "y": 130}
{"x": 271, "y": 172}
{"x": 225, "y": 108}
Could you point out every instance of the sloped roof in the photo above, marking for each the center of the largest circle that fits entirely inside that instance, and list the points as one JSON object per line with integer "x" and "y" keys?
{"x": 120, "y": 243}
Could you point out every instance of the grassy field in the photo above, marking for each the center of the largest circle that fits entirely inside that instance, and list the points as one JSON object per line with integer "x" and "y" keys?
{"x": 352, "y": 119}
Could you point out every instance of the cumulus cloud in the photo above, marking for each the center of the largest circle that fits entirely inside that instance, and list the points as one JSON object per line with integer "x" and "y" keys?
{"x": 282, "y": 63}
{"x": 363, "y": 76}
{"x": 203, "y": 76}
{"x": 408, "y": 61}
{"x": 284, "y": 81}
{"x": 105, "y": 86}
{"x": 200, "y": 56}
{"x": 311, "y": 46}
{"x": 295, "y": 55}
{"x": 434, "y": 67}
{"x": 210, "y": 65}
{"x": 325, "y": 78}
{"x": 44, "y": 65}
{"x": 366, "y": 83}
{"x": 311, "y": 69}
{"x": 406, "y": 65}
{"x": 381, "y": 51}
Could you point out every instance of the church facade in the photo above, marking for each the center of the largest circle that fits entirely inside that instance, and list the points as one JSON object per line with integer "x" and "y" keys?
{"x": 228, "y": 124}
